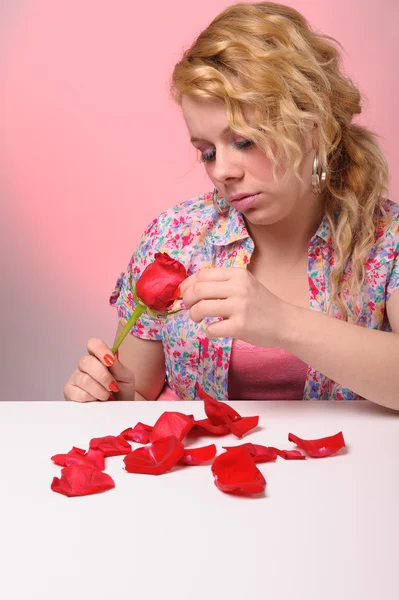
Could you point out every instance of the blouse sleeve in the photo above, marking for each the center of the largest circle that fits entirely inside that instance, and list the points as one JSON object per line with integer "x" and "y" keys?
{"x": 146, "y": 327}
{"x": 393, "y": 279}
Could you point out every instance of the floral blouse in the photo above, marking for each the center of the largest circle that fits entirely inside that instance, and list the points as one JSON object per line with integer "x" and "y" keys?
{"x": 196, "y": 235}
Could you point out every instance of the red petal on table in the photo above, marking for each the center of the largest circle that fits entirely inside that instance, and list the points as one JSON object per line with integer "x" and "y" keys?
{"x": 78, "y": 480}
{"x": 91, "y": 458}
{"x": 320, "y": 447}
{"x": 77, "y": 456}
{"x": 259, "y": 453}
{"x": 76, "y": 450}
{"x": 215, "y": 410}
{"x": 235, "y": 472}
{"x": 198, "y": 456}
{"x": 111, "y": 445}
{"x": 289, "y": 454}
{"x": 140, "y": 433}
{"x": 242, "y": 425}
{"x": 220, "y": 413}
{"x": 205, "y": 424}
{"x": 59, "y": 459}
{"x": 156, "y": 458}
{"x": 171, "y": 423}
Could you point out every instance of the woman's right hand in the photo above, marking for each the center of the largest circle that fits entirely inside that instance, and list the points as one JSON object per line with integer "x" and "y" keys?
{"x": 100, "y": 376}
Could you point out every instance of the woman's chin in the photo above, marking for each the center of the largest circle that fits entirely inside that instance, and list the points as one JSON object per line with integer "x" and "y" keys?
{"x": 263, "y": 216}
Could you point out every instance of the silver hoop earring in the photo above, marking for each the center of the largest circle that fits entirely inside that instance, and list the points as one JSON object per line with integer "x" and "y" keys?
{"x": 319, "y": 176}
{"x": 219, "y": 204}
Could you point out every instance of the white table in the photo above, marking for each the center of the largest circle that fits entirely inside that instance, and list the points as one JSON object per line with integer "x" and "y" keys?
{"x": 327, "y": 529}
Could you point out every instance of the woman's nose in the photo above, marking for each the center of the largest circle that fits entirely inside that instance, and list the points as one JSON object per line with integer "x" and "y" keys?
{"x": 226, "y": 166}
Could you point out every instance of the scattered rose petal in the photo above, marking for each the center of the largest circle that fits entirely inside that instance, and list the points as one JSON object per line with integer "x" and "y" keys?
{"x": 220, "y": 413}
{"x": 321, "y": 447}
{"x": 289, "y": 454}
{"x": 111, "y": 445}
{"x": 81, "y": 480}
{"x": 171, "y": 423}
{"x": 198, "y": 456}
{"x": 59, "y": 459}
{"x": 77, "y": 456}
{"x": 241, "y": 426}
{"x": 76, "y": 450}
{"x": 260, "y": 454}
{"x": 215, "y": 410}
{"x": 91, "y": 458}
{"x": 205, "y": 424}
{"x": 140, "y": 433}
{"x": 156, "y": 458}
{"x": 235, "y": 472}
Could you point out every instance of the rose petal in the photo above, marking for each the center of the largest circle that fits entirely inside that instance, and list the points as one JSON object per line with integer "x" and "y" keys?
{"x": 321, "y": 447}
{"x": 198, "y": 456}
{"x": 289, "y": 454}
{"x": 235, "y": 472}
{"x": 59, "y": 459}
{"x": 220, "y": 413}
{"x": 77, "y": 456}
{"x": 156, "y": 458}
{"x": 140, "y": 433}
{"x": 81, "y": 480}
{"x": 91, "y": 458}
{"x": 260, "y": 454}
{"x": 171, "y": 423}
{"x": 76, "y": 450}
{"x": 205, "y": 424}
{"x": 215, "y": 410}
{"x": 111, "y": 445}
{"x": 241, "y": 426}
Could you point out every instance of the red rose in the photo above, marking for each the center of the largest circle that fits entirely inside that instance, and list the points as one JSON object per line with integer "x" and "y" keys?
{"x": 158, "y": 286}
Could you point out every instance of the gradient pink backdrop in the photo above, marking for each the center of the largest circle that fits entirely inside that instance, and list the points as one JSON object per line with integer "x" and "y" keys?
{"x": 95, "y": 148}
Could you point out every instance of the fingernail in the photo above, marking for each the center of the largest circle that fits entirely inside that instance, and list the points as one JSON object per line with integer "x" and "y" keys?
{"x": 113, "y": 386}
{"x": 109, "y": 360}
{"x": 111, "y": 397}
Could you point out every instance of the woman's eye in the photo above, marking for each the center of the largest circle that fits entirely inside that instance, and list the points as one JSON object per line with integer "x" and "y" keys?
{"x": 243, "y": 144}
{"x": 208, "y": 156}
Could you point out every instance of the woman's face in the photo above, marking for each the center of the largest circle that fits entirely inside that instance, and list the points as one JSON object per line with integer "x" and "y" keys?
{"x": 237, "y": 166}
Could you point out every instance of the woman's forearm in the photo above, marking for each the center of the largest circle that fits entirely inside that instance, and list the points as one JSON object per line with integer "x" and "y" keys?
{"x": 363, "y": 360}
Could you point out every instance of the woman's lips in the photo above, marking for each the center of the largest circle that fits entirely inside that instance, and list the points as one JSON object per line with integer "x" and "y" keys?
{"x": 245, "y": 203}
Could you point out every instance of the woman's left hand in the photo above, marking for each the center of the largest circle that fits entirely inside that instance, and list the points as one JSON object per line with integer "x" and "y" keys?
{"x": 250, "y": 312}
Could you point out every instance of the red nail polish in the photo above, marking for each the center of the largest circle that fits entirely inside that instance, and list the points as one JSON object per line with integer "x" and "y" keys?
{"x": 113, "y": 386}
{"x": 109, "y": 360}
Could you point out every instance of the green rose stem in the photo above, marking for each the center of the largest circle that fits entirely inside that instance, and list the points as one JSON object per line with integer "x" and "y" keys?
{"x": 138, "y": 311}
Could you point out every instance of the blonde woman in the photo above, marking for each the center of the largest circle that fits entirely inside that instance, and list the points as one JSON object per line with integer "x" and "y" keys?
{"x": 293, "y": 257}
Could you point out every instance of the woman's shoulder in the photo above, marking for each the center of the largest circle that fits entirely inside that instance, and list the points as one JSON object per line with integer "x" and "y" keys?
{"x": 181, "y": 224}
{"x": 195, "y": 210}
{"x": 388, "y": 222}
{"x": 389, "y": 208}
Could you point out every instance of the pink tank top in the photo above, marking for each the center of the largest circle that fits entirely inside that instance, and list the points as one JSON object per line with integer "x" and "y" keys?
{"x": 260, "y": 374}
{"x": 264, "y": 373}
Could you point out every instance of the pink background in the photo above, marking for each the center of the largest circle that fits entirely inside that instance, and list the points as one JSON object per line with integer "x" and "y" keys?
{"x": 95, "y": 148}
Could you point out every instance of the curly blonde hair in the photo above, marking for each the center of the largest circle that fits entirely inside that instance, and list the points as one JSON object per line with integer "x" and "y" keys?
{"x": 265, "y": 56}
